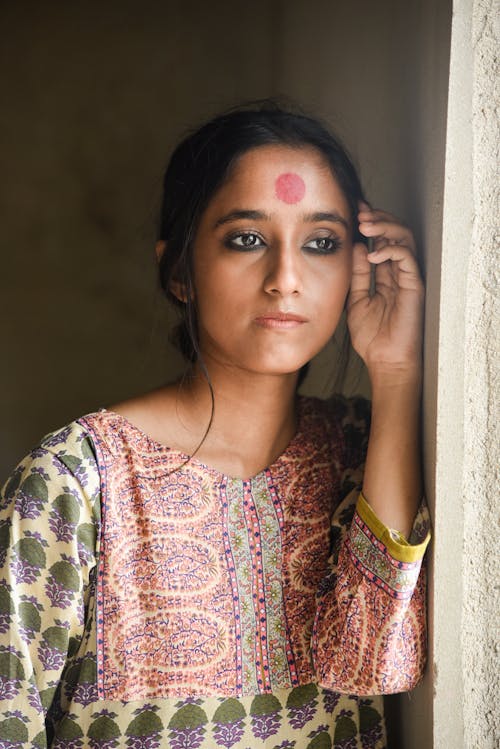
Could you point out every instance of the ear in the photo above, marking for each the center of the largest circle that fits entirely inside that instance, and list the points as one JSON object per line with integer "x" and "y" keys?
{"x": 175, "y": 287}
{"x": 178, "y": 289}
{"x": 160, "y": 247}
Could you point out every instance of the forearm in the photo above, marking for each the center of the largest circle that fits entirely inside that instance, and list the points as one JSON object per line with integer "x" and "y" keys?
{"x": 392, "y": 482}
{"x": 369, "y": 630}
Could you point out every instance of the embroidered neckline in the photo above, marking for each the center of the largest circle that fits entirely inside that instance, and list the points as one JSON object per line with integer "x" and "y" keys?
{"x": 299, "y": 438}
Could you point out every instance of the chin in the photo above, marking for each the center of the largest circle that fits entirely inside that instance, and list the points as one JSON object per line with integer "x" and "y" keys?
{"x": 264, "y": 360}
{"x": 278, "y": 368}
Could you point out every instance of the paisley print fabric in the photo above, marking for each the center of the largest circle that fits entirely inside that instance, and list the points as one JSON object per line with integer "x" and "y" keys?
{"x": 145, "y": 604}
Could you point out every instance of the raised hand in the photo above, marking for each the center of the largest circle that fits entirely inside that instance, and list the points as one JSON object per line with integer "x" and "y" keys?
{"x": 386, "y": 328}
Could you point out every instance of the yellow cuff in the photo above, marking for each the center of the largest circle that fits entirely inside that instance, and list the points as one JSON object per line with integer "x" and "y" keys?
{"x": 394, "y": 541}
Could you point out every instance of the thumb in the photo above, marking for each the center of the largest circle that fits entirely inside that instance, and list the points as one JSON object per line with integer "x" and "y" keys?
{"x": 360, "y": 281}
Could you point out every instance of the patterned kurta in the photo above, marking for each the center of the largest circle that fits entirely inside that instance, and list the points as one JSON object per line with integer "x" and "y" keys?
{"x": 146, "y": 601}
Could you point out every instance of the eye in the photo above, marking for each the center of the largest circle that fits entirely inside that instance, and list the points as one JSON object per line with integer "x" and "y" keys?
{"x": 244, "y": 241}
{"x": 323, "y": 245}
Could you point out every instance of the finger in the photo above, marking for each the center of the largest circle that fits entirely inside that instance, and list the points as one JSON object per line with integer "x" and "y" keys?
{"x": 361, "y": 271}
{"x": 397, "y": 253}
{"x": 386, "y": 278}
{"x": 400, "y": 262}
{"x": 387, "y": 232}
{"x": 383, "y": 220}
{"x": 377, "y": 214}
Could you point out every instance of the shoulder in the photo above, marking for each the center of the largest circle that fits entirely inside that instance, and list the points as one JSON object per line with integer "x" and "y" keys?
{"x": 60, "y": 472}
{"x": 338, "y": 410}
{"x": 66, "y": 452}
{"x": 346, "y": 421}
{"x": 69, "y": 442}
{"x": 153, "y": 418}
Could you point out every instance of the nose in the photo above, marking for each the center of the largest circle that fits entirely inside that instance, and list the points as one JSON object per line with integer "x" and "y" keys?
{"x": 283, "y": 272}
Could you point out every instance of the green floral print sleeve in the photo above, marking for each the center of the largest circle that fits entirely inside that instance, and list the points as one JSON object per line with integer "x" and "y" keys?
{"x": 48, "y": 531}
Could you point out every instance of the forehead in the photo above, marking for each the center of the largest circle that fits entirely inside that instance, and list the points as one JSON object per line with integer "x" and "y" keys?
{"x": 280, "y": 159}
{"x": 290, "y": 175}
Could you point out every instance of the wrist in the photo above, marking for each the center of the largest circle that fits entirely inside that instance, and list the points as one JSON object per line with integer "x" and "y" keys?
{"x": 384, "y": 378}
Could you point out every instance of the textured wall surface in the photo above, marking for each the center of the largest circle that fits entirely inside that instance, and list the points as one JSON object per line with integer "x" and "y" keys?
{"x": 481, "y": 621}
{"x": 465, "y": 597}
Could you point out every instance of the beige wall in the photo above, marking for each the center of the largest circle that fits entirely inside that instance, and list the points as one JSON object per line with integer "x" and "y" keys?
{"x": 466, "y": 593}
{"x": 481, "y": 601}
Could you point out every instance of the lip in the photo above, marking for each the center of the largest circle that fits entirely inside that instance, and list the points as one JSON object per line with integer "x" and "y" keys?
{"x": 280, "y": 320}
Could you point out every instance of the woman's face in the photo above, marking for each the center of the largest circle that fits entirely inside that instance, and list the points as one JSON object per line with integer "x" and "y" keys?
{"x": 272, "y": 261}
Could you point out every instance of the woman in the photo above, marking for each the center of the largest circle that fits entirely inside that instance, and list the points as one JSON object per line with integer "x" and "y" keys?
{"x": 196, "y": 567}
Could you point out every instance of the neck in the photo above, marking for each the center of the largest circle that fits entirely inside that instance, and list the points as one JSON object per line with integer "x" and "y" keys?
{"x": 253, "y": 417}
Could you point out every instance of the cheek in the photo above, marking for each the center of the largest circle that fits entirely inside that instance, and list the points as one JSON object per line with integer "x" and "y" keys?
{"x": 331, "y": 300}
{"x": 218, "y": 303}
{"x": 335, "y": 285}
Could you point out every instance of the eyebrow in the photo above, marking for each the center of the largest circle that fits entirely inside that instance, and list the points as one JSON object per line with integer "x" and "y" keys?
{"x": 332, "y": 216}
{"x": 237, "y": 215}
{"x": 241, "y": 214}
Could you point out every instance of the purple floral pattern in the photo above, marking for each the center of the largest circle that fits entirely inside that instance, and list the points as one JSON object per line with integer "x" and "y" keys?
{"x": 299, "y": 716}
{"x": 153, "y": 741}
{"x": 30, "y": 612}
{"x": 187, "y": 738}
{"x": 85, "y": 694}
{"x": 264, "y": 726}
{"x": 62, "y": 582}
{"x": 372, "y": 737}
{"x": 330, "y": 701}
{"x": 30, "y": 500}
{"x": 6, "y": 607}
{"x": 228, "y": 735}
{"x": 29, "y": 557}
{"x": 62, "y": 528}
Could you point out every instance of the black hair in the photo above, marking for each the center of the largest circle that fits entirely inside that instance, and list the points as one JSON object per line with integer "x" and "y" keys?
{"x": 200, "y": 165}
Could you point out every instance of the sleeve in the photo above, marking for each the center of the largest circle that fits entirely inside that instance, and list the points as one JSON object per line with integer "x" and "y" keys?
{"x": 369, "y": 634}
{"x": 48, "y": 522}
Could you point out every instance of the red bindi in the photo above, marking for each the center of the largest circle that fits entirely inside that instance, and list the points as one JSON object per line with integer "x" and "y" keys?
{"x": 290, "y": 188}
